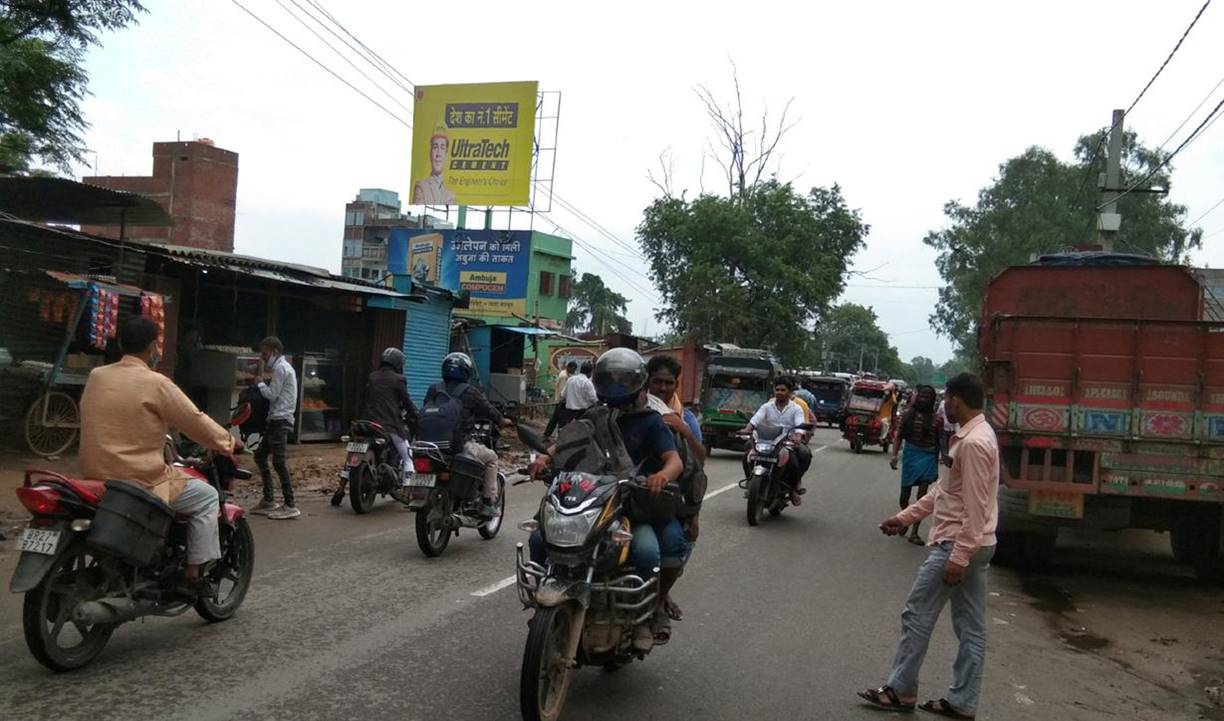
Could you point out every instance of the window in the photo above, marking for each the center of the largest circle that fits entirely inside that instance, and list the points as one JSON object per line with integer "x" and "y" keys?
{"x": 352, "y": 249}
{"x": 354, "y": 217}
{"x": 546, "y": 283}
{"x": 564, "y": 286}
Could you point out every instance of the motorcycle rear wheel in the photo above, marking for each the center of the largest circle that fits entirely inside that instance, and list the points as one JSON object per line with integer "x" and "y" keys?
{"x": 363, "y": 487}
{"x": 432, "y": 532}
{"x": 47, "y": 608}
{"x": 488, "y": 530}
{"x": 237, "y": 566}
{"x": 757, "y": 490}
{"x": 545, "y": 678}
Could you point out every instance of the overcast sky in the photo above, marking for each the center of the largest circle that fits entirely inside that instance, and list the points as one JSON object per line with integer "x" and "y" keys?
{"x": 906, "y": 105}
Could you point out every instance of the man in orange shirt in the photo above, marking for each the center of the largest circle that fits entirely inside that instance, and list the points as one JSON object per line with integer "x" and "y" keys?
{"x": 966, "y": 509}
{"x": 126, "y": 410}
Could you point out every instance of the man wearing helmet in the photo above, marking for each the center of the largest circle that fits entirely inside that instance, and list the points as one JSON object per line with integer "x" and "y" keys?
{"x": 457, "y": 371}
{"x": 388, "y": 403}
{"x": 620, "y": 381}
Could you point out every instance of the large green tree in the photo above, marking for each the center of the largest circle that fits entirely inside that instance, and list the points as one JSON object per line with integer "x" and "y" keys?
{"x": 597, "y": 308}
{"x": 850, "y": 332}
{"x": 755, "y": 269}
{"x": 43, "y": 79}
{"x": 923, "y": 369}
{"x": 1040, "y": 204}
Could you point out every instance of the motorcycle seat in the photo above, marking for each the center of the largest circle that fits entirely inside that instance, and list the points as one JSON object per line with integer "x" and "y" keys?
{"x": 91, "y": 491}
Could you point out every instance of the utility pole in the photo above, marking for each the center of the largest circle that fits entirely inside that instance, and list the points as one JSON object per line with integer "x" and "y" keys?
{"x": 1109, "y": 221}
{"x": 862, "y": 350}
{"x": 876, "y": 365}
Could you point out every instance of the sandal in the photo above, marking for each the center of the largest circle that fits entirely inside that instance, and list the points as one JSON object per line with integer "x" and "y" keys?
{"x": 943, "y": 708}
{"x": 916, "y": 540}
{"x": 672, "y": 609}
{"x": 662, "y": 629}
{"x": 885, "y": 698}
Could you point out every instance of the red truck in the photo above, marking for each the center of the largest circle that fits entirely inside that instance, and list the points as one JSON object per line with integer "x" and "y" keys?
{"x": 1106, "y": 388}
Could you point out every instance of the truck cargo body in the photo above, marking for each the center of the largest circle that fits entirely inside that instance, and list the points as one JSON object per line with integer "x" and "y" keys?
{"x": 1106, "y": 391}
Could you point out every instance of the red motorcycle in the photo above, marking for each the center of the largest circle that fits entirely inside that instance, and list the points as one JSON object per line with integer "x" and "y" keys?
{"x": 97, "y": 554}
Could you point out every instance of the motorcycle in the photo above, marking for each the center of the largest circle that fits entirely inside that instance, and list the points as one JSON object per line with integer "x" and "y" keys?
{"x": 587, "y": 600}
{"x": 371, "y": 467}
{"x": 444, "y": 491}
{"x": 771, "y": 479}
{"x": 98, "y": 554}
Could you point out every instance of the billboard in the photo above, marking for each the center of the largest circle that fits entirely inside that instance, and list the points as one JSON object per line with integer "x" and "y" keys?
{"x": 492, "y": 265}
{"x": 472, "y": 144}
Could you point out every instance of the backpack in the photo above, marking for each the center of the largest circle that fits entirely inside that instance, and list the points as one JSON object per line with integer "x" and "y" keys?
{"x": 258, "y": 420}
{"x": 592, "y": 443}
{"x": 441, "y": 420}
{"x": 693, "y": 481}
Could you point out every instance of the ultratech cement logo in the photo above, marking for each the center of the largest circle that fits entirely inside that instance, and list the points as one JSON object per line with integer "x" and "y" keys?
{"x": 483, "y": 154}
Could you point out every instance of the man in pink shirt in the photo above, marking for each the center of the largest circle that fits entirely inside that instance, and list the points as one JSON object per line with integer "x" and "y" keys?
{"x": 965, "y": 505}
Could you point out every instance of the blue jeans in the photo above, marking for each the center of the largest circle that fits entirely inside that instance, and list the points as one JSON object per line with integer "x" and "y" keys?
{"x": 658, "y": 546}
{"x": 922, "y": 609}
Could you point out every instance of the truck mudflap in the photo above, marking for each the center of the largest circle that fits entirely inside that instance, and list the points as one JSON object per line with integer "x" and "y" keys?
{"x": 32, "y": 567}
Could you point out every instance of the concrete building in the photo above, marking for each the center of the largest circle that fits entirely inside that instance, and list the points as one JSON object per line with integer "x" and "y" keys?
{"x": 196, "y": 182}
{"x": 368, "y": 221}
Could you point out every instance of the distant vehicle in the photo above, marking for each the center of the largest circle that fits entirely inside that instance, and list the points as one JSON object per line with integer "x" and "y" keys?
{"x": 832, "y": 394}
{"x": 737, "y": 382}
{"x": 1106, "y": 389}
{"x": 863, "y": 426}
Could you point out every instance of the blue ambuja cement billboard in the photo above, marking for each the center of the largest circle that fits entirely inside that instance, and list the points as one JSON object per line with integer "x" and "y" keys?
{"x": 493, "y": 265}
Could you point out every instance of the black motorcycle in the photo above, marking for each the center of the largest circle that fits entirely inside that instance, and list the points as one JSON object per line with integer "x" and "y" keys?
{"x": 587, "y": 599}
{"x": 444, "y": 491}
{"x": 772, "y": 475}
{"x": 371, "y": 467}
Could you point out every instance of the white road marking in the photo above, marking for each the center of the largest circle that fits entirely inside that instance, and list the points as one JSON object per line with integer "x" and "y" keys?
{"x": 494, "y": 588}
{"x": 510, "y": 580}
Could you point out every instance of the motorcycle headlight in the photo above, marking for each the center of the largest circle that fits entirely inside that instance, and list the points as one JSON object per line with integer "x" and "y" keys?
{"x": 764, "y": 449}
{"x": 568, "y": 531}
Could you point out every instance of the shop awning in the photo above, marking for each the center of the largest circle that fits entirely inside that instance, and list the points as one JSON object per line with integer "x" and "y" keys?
{"x": 59, "y": 200}
{"x": 525, "y": 330}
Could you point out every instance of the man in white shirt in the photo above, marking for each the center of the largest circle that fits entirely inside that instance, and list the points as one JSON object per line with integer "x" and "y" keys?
{"x": 571, "y": 370}
{"x": 782, "y": 412}
{"x": 579, "y": 393}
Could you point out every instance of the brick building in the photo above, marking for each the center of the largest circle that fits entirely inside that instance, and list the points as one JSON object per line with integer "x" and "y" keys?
{"x": 196, "y": 182}
{"x": 368, "y": 222}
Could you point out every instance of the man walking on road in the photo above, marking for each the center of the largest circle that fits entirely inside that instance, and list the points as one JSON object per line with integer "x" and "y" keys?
{"x": 281, "y": 392}
{"x": 962, "y": 543}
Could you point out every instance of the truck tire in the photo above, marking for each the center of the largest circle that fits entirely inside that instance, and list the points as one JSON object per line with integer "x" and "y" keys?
{"x": 1183, "y": 542}
{"x": 1196, "y": 540}
{"x": 1027, "y": 551}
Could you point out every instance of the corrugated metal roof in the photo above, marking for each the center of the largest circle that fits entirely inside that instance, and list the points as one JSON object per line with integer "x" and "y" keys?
{"x": 59, "y": 200}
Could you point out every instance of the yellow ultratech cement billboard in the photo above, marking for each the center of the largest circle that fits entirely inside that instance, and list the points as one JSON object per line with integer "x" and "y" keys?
{"x": 472, "y": 144}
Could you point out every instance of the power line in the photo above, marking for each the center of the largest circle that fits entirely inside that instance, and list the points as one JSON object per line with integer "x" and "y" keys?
{"x": 316, "y": 61}
{"x": 319, "y": 6}
{"x": 402, "y": 84}
{"x": 1101, "y": 141}
{"x": 1206, "y": 213}
{"x": 338, "y": 52}
{"x": 1210, "y": 119}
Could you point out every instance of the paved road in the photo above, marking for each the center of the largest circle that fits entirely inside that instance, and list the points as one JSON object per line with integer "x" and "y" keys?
{"x": 347, "y": 620}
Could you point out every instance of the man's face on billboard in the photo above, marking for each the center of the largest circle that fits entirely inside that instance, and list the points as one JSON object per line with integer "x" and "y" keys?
{"x": 437, "y": 154}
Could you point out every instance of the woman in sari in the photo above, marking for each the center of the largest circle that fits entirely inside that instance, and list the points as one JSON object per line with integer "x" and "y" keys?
{"x": 919, "y": 432}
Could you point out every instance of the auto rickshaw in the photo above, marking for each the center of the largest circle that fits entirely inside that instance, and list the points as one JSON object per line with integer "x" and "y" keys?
{"x": 869, "y": 414}
{"x": 832, "y": 395}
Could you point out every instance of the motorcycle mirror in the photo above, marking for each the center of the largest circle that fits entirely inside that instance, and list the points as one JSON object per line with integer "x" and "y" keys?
{"x": 532, "y": 440}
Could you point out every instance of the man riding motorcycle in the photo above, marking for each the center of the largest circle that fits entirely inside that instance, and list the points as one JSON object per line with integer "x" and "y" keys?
{"x": 620, "y": 383}
{"x": 126, "y": 410}
{"x": 388, "y": 403}
{"x": 784, "y": 413}
{"x": 457, "y": 371}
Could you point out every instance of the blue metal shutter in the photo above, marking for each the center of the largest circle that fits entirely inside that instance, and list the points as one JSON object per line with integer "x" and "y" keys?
{"x": 427, "y": 333}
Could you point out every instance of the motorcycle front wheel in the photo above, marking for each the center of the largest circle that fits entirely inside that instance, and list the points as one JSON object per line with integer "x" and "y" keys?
{"x": 757, "y": 491}
{"x": 229, "y": 579}
{"x": 546, "y": 673}
{"x": 432, "y": 531}
{"x": 488, "y": 530}
{"x": 363, "y": 487}
{"x": 54, "y": 639}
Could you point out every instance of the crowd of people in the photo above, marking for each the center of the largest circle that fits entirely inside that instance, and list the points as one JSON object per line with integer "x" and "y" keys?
{"x": 947, "y": 453}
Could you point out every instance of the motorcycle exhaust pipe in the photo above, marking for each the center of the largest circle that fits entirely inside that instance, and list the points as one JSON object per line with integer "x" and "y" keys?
{"x": 110, "y": 610}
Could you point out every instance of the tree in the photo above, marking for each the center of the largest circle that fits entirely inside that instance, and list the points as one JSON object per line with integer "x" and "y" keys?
{"x": 850, "y": 332}
{"x": 1039, "y": 204}
{"x": 42, "y": 78}
{"x": 597, "y": 308}
{"x": 754, "y": 270}
{"x": 924, "y": 369}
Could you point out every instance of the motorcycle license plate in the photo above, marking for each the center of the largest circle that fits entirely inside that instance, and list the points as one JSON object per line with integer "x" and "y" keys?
{"x": 358, "y": 447}
{"x": 34, "y": 540}
{"x": 422, "y": 480}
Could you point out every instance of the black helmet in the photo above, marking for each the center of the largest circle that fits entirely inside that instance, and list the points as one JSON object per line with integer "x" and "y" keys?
{"x": 394, "y": 357}
{"x": 457, "y": 367}
{"x": 620, "y": 375}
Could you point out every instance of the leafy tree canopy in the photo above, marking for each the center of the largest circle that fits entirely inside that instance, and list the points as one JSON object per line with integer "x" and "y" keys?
{"x": 596, "y": 308}
{"x": 42, "y": 76}
{"x": 1040, "y": 204}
